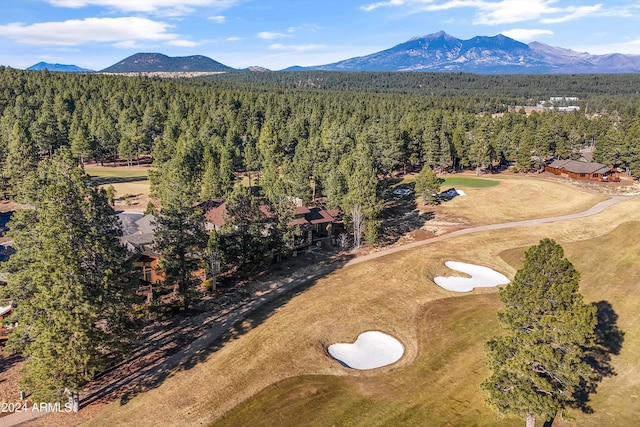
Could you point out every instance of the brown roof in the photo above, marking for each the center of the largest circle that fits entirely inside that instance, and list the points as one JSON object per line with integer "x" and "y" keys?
{"x": 298, "y": 221}
{"x": 580, "y": 167}
{"x": 213, "y": 212}
{"x": 318, "y": 216}
{"x": 302, "y": 210}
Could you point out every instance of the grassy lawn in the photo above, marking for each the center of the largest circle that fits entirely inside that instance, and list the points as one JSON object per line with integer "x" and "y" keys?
{"x": 459, "y": 181}
{"x": 465, "y": 181}
{"x": 117, "y": 172}
{"x": 273, "y": 368}
{"x": 130, "y": 182}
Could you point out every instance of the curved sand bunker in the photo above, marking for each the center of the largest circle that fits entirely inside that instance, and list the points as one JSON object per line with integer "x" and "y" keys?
{"x": 371, "y": 350}
{"x": 481, "y": 277}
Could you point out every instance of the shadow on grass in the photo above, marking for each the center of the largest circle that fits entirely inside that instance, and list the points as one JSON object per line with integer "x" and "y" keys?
{"x": 608, "y": 342}
{"x": 165, "y": 353}
{"x": 105, "y": 180}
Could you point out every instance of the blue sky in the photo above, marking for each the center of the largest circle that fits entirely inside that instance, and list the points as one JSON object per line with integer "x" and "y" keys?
{"x": 277, "y": 34}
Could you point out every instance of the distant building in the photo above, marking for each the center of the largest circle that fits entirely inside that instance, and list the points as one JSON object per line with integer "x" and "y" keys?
{"x": 563, "y": 99}
{"x": 583, "y": 171}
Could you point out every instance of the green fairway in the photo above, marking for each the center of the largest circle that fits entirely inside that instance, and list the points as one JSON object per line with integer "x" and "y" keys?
{"x": 105, "y": 175}
{"x": 464, "y": 181}
{"x": 459, "y": 181}
{"x": 117, "y": 172}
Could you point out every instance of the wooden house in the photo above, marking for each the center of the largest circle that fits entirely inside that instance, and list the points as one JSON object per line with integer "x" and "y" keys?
{"x": 583, "y": 171}
{"x": 314, "y": 224}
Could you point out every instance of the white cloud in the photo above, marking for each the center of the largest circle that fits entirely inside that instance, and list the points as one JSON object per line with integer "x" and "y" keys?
{"x": 76, "y": 32}
{"x": 499, "y": 12}
{"x": 127, "y": 44}
{"x": 182, "y": 43}
{"x": 234, "y": 39}
{"x": 526, "y": 35}
{"x": 268, "y": 35}
{"x": 296, "y": 47}
{"x": 218, "y": 19}
{"x": 576, "y": 13}
{"x": 374, "y": 6}
{"x": 304, "y": 27}
{"x": 145, "y": 5}
{"x": 631, "y": 47}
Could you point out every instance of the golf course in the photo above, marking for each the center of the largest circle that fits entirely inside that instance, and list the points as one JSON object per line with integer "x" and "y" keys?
{"x": 273, "y": 368}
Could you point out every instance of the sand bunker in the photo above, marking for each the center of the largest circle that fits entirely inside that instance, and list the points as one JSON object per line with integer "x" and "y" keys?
{"x": 371, "y": 350}
{"x": 481, "y": 277}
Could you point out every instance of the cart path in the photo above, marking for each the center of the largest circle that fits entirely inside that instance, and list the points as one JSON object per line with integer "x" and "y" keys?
{"x": 525, "y": 223}
{"x": 222, "y": 323}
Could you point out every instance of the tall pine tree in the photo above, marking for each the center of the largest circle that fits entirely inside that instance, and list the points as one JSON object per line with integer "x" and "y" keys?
{"x": 427, "y": 184}
{"x": 179, "y": 235}
{"x": 539, "y": 363}
{"x": 70, "y": 281}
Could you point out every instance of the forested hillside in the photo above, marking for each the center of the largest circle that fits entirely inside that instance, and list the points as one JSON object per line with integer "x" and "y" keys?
{"x": 294, "y": 134}
{"x": 303, "y": 134}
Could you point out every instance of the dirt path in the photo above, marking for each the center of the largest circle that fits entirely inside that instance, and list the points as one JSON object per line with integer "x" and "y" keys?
{"x": 152, "y": 374}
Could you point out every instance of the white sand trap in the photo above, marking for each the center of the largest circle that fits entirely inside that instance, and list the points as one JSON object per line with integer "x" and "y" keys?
{"x": 481, "y": 277}
{"x": 371, "y": 350}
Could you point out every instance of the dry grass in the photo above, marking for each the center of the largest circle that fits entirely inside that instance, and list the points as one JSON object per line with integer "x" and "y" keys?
{"x": 518, "y": 199}
{"x": 274, "y": 369}
{"x": 130, "y": 182}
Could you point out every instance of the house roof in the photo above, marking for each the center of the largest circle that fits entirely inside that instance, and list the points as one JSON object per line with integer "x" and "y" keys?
{"x": 214, "y": 212}
{"x": 579, "y": 167}
{"x": 302, "y": 210}
{"x": 6, "y": 309}
{"x": 146, "y": 224}
{"x": 138, "y": 242}
{"x": 318, "y": 216}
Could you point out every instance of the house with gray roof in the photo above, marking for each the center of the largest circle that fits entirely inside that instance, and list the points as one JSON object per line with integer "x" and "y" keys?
{"x": 583, "y": 171}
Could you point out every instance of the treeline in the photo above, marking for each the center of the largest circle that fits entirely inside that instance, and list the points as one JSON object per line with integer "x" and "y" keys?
{"x": 298, "y": 140}
{"x": 301, "y": 135}
{"x": 612, "y": 92}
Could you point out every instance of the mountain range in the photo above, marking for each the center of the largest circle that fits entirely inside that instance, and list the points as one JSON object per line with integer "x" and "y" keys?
{"x": 58, "y": 68}
{"x": 437, "y": 52}
{"x": 157, "y": 62}
{"x": 440, "y": 52}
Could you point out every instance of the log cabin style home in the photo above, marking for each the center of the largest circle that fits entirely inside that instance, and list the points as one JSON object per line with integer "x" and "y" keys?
{"x": 315, "y": 225}
{"x": 583, "y": 171}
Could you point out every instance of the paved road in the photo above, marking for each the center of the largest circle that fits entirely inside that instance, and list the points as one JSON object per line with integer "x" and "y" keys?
{"x": 223, "y": 323}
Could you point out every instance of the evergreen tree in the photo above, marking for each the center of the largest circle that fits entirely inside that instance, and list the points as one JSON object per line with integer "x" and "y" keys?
{"x": 22, "y": 158}
{"x": 539, "y": 363}
{"x": 71, "y": 282}
{"x": 427, "y": 184}
{"x": 245, "y": 247}
{"x": 180, "y": 236}
{"x": 361, "y": 204}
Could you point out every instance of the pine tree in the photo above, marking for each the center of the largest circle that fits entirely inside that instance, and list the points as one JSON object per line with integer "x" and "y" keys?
{"x": 539, "y": 363}
{"x": 71, "y": 283}
{"x": 361, "y": 203}
{"x": 180, "y": 236}
{"x": 427, "y": 184}
{"x": 22, "y": 158}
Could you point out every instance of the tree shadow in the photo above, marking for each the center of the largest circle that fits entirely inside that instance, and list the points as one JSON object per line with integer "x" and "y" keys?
{"x": 608, "y": 342}
{"x": 400, "y": 215}
{"x": 104, "y": 180}
{"x": 201, "y": 333}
